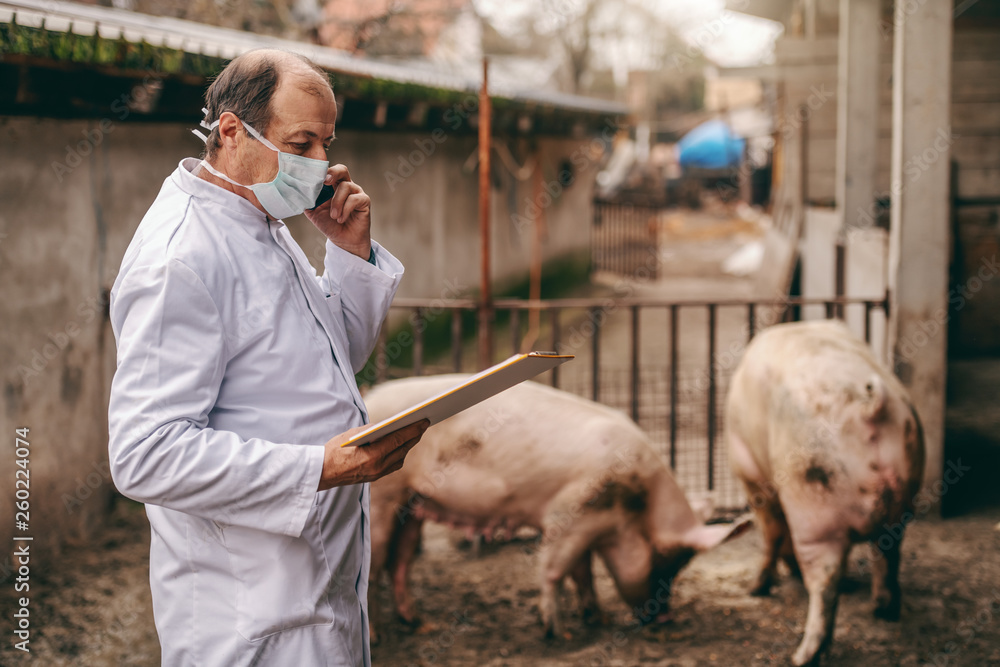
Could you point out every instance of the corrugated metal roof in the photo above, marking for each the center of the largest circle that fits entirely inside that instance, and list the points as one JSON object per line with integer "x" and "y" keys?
{"x": 215, "y": 42}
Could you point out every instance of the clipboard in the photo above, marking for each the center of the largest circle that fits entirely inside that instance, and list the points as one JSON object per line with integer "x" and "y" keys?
{"x": 475, "y": 389}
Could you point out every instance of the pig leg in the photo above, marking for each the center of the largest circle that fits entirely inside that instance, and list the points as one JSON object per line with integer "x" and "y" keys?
{"x": 583, "y": 577}
{"x": 885, "y": 578}
{"x": 822, "y": 568}
{"x": 788, "y": 556}
{"x": 767, "y": 507}
{"x": 569, "y": 530}
{"x": 776, "y": 539}
{"x": 384, "y": 528}
{"x": 406, "y": 544}
{"x": 558, "y": 558}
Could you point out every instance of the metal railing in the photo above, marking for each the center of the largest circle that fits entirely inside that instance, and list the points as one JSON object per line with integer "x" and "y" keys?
{"x": 648, "y": 367}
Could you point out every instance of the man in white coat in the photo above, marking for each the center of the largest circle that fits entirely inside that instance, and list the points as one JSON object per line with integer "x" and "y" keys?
{"x": 236, "y": 365}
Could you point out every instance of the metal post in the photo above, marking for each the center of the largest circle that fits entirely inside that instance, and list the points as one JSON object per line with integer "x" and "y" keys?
{"x": 418, "y": 342}
{"x": 515, "y": 329}
{"x": 673, "y": 387}
{"x": 456, "y": 339}
{"x": 382, "y": 359}
{"x": 868, "y": 321}
{"x": 711, "y": 396}
{"x": 555, "y": 344}
{"x": 595, "y": 357}
{"x": 635, "y": 364}
{"x": 485, "y": 324}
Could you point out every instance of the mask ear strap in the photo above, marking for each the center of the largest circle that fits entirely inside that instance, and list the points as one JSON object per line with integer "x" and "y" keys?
{"x": 204, "y": 123}
{"x": 259, "y": 137}
{"x": 212, "y": 170}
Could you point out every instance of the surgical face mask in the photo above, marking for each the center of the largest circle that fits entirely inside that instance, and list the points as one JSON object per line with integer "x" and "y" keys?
{"x": 295, "y": 186}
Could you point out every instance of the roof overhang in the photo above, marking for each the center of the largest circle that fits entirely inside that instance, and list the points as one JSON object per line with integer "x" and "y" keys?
{"x": 68, "y": 59}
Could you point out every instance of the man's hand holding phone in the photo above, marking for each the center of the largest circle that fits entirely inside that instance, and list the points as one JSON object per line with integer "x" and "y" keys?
{"x": 343, "y": 213}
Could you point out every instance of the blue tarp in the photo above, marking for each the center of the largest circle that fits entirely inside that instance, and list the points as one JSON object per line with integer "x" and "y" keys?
{"x": 711, "y": 145}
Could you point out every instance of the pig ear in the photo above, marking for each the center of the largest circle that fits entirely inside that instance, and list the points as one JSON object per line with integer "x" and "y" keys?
{"x": 702, "y": 505}
{"x": 875, "y": 399}
{"x": 703, "y": 538}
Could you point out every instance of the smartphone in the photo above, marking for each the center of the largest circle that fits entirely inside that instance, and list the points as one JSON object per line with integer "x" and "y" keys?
{"x": 325, "y": 195}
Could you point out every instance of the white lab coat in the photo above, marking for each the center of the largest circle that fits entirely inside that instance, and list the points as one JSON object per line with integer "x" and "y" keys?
{"x": 235, "y": 365}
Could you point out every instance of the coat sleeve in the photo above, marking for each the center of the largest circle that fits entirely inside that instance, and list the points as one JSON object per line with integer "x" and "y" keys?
{"x": 171, "y": 361}
{"x": 365, "y": 291}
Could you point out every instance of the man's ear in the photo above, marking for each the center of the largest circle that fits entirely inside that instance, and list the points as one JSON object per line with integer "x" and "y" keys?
{"x": 229, "y": 129}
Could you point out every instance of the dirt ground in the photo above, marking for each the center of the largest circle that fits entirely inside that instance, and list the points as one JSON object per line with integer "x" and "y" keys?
{"x": 93, "y": 609}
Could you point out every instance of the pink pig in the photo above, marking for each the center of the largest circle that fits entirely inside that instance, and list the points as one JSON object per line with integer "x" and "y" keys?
{"x": 831, "y": 452}
{"x": 581, "y": 473}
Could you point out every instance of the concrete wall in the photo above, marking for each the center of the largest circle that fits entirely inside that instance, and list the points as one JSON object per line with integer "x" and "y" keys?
{"x": 72, "y": 196}
{"x": 73, "y": 193}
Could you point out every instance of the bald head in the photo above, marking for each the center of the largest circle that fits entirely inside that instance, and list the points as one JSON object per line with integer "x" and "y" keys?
{"x": 246, "y": 87}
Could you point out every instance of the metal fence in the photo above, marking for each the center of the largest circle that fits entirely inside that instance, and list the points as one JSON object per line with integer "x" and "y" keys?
{"x": 624, "y": 238}
{"x": 665, "y": 364}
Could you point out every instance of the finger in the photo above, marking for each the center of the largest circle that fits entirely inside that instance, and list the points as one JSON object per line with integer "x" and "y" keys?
{"x": 341, "y": 438}
{"x": 337, "y": 172}
{"x": 401, "y": 437}
{"x": 403, "y": 449}
{"x": 395, "y": 459}
{"x": 359, "y": 202}
{"x": 344, "y": 190}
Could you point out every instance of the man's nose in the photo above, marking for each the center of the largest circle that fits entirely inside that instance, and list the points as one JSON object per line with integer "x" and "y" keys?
{"x": 317, "y": 152}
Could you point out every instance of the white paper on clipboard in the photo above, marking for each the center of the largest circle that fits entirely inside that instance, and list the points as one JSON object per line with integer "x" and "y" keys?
{"x": 475, "y": 389}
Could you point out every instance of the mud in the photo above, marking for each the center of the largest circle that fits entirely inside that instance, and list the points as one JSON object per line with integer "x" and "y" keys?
{"x": 92, "y": 607}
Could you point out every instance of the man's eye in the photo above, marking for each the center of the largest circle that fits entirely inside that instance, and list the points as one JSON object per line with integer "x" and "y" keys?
{"x": 301, "y": 147}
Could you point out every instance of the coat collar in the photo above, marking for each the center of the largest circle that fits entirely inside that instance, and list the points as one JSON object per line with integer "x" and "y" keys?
{"x": 230, "y": 206}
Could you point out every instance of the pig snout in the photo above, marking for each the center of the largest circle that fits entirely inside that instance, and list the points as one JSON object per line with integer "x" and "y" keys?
{"x": 655, "y": 607}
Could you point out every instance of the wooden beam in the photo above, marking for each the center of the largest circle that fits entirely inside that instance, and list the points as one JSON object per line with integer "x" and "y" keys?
{"x": 919, "y": 219}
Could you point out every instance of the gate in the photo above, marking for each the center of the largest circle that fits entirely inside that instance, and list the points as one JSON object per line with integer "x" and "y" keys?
{"x": 623, "y": 238}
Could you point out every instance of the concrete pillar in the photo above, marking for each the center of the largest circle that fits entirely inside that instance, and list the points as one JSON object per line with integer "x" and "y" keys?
{"x": 857, "y": 109}
{"x": 918, "y": 239}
